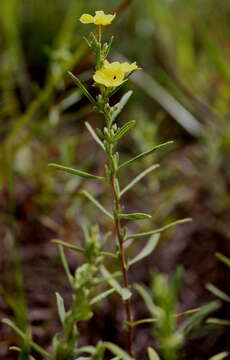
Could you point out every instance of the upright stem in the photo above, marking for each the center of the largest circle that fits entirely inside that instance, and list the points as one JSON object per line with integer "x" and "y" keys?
{"x": 119, "y": 234}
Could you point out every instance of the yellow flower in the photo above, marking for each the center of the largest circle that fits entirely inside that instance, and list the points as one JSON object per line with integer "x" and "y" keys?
{"x": 113, "y": 74}
{"x": 100, "y": 18}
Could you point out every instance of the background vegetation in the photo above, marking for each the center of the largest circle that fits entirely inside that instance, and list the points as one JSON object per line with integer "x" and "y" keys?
{"x": 182, "y": 93}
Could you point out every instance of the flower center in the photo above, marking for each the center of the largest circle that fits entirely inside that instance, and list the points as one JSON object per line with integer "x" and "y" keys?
{"x": 114, "y": 78}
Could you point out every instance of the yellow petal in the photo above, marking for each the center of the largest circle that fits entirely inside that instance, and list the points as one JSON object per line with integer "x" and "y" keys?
{"x": 87, "y": 19}
{"x": 129, "y": 67}
{"x": 109, "y": 77}
{"x": 103, "y": 19}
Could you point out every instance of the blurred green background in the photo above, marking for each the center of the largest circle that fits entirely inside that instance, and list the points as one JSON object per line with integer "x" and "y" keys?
{"x": 181, "y": 94}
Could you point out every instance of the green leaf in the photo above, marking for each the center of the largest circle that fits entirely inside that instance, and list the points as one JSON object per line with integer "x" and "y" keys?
{"x": 61, "y": 308}
{"x": 134, "y": 216}
{"x": 125, "y": 98}
{"x": 145, "y": 153}
{"x": 121, "y": 132}
{"x": 96, "y": 203}
{"x": 224, "y": 259}
{"x": 147, "y": 297}
{"x": 70, "y": 246}
{"x": 123, "y": 292}
{"x": 138, "y": 178}
{"x": 196, "y": 319}
{"x": 77, "y": 172}
{"x": 147, "y": 249}
{"x": 217, "y": 292}
{"x": 101, "y": 296}
{"x": 217, "y": 321}
{"x": 94, "y": 135}
{"x": 116, "y": 350}
{"x": 219, "y": 356}
{"x": 65, "y": 265}
{"x": 152, "y": 354}
{"x": 160, "y": 230}
{"x": 83, "y": 89}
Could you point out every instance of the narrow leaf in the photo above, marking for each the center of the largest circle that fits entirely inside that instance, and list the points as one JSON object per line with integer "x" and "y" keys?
{"x": 217, "y": 321}
{"x": 70, "y": 246}
{"x": 96, "y": 203}
{"x": 77, "y": 172}
{"x": 223, "y": 258}
{"x": 125, "y": 98}
{"x": 147, "y": 297}
{"x": 94, "y": 135}
{"x": 160, "y": 230}
{"x": 147, "y": 249}
{"x": 61, "y": 307}
{"x": 145, "y": 153}
{"x": 83, "y": 89}
{"x": 65, "y": 265}
{"x": 219, "y": 356}
{"x": 217, "y": 292}
{"x": 195, "y": 320}
{"x": 101, "y": 296}
{"x": 152, "y": 354}
{"x": 121, "y": 132}
{"x": 116, "y": 350}
{"x": 134, "y": 216}
{"x": 139, "y": 177}
{"x": 123, "y": 292}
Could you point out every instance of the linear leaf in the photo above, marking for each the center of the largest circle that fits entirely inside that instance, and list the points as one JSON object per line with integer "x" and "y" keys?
{"x": 145, "y": 153}
{"x": 77, "y": 172}
{"x": 96, "y": 203}
{"x": 223, "y": 258}
{"x": 123, "y": 292}
{"x": 94, "y": 135}
{"x": 70, "y": 246}
{"x": 217, "y": 292}
{"x": 125, "y": 98}
{"x": 219, "y": 356}
{"x": 147, "y": 249}
{"x": 217, "y": 321}
{"x": 83, "y": 89}
{"x": 61, "y": 307}
{"x": 65, "y": 265}
{"x": 101, "y": 296}
{"x": 146, "y": 296}
{"x": 134, "y": 216}
{"x": 152, "y": 354}
{"x": 116, "y": 350}
{"x": 160, "y": 230}
{"x": 139, "y": 177}
{"x": 122, "y": 131}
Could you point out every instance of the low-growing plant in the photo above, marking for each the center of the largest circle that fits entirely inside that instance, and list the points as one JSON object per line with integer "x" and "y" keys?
{"x": 92, "y": 281}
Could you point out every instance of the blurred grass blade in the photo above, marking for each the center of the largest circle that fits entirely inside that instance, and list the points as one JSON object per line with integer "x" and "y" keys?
{"x": 116, "y": 350}
{"x": 61, "y": 308}
{"x": 77, "y": 172}
{"x": 147, "y": 249}
{"x": 160, "y": 230}
{"x": 144, "y": 293}
{"x": 145, "y": 153}
{"x": 83, "y": 89}
{"x": 125, "y": 98}
{"x": 217, "y": 292}
{"x": 168, "y": 102}
{"x": 135, "y": 216}
{"x": 223, "y": 258}
{"x": 219, "y": 356}
{"x": 195, "y": 320}
{"x": 152, "y": 354}
{"x": 138, "y": 178}
{"x": 94, "y": 135}
{"x": 120, "y": 133}
{"x": 216, "y": 321}
{"x": 96, "y": 203}
{"x": 101, "y": 296}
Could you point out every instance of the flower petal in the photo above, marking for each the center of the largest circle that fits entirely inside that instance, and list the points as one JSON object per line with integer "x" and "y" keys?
{"x": 87, "y": 19}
